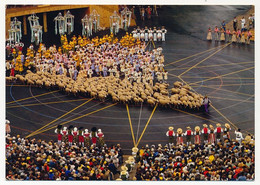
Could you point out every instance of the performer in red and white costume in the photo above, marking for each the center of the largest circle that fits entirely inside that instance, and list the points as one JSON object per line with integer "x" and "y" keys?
{"x": 64, "y": 133}
{"x": 197, "y": 134}
{"x": 211, "y": 135}
{"x": 86, "y": 135}
{"x": 70, "y": 135}
{"x": 94, "y": 136}
{"x": 179, "y": 137}
{"x": 100, "y": 137}
{"x": 218, "y": 132}
{"x": 170, "y": 133}
{"x": 227, "y": 129}
{"x": 58, "y": 132}
{"x": 188, "y": 135}
{"x": 75, "y": 134}
{"x": 81, "y": 137}
{"x": 205, "y": 132}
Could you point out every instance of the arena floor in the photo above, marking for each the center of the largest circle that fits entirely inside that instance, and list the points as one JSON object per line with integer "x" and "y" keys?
{"x": 224, "y": 72}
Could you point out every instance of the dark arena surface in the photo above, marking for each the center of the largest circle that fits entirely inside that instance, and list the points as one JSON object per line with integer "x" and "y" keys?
{"x": 224, "y": 72}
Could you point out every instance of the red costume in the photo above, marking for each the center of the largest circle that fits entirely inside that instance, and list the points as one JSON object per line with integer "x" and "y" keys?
{"x": 94, "y": 137}
{"x": 205, "y": 132}
{"x": 59, "y": 136}
{"x": 179, "y": 139}
{"x": 100, "y": 135}
{"x": 70, "y": 136}
{"x": 170, "y": 133}
{"x": 81, "y": 137}
{"x": 86, "y": 135}
{"x": 12, "y": 72}
{"x": 197, "y": 137}
{"x": 58, "y": 132}
{"x": 211, "y": 136}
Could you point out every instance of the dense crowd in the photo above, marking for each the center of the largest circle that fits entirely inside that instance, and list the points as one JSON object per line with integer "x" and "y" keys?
{"x": 31, "y": 159}
{"x": 224, "y": 161}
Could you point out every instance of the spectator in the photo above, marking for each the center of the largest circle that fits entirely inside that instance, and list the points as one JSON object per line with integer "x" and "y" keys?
{"x": 223, "y": 161}
{"x": 31, "y": 159}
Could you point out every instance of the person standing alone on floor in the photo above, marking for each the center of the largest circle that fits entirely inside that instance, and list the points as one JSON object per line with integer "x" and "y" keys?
{"x": 7, "y": 127}
{"x": 206, "y": 103}
{"x": 235, "y": 24}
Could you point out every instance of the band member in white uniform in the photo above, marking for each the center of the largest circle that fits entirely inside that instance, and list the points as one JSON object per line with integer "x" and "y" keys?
{"x": 164, "y": 31}
{"x": 138, "y": 32}
{"x": 154, "y": 34}
{"x": 146, "y": 34}
{"x": 150, "y": 34}
{"x": 159, "y": 34}
{"x": 142, "y": 34}
{"x": 134, "y": 34}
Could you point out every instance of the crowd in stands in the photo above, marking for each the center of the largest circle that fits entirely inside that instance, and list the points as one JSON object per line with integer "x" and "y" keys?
{"x": 31, "y": 159}
{"x": 212, "y": 158}
{"x": 223, "y": 160}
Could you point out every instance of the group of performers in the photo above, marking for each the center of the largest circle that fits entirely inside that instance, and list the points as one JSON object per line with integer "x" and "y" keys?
{"x": 145, "y": 34}
{"x": 105, "y": 56}
{"x": 226, "y": 35}
{"x": 80, "y": 136}
{"x": 209, "y": 135}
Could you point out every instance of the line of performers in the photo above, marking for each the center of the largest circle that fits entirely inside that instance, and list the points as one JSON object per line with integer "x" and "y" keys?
{"x": 228, "y": 36}
{"x": 145, "y": 34}
{"x": 209, "y": 135}
{"x": 80, "y": 136}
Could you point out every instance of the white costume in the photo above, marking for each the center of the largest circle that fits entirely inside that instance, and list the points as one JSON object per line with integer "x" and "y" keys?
{"x": 150, "y": 34}
{"x": 134, "y": 34}
{"x": 159, "y": 35}
{"x": 239, "y": 136}
{"x": 154, "y": 35}
{"x": 142, "y": 35}
{"x": 146, "y": 34}
{"x": 164, "y": 31}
